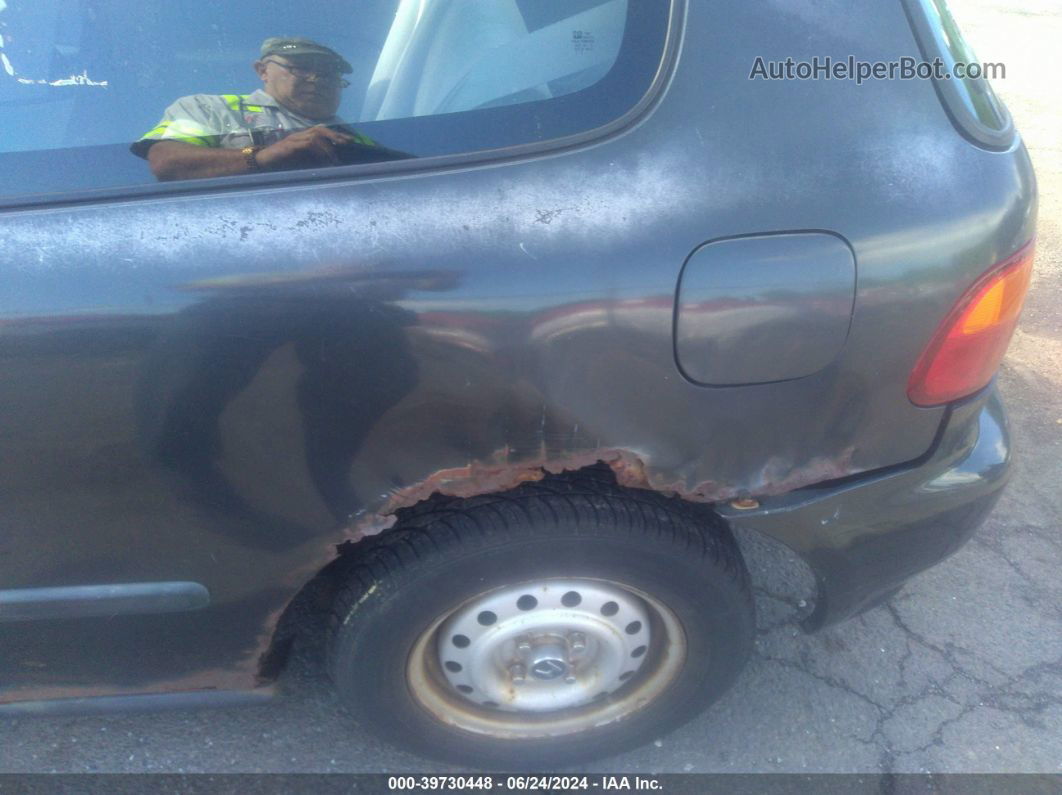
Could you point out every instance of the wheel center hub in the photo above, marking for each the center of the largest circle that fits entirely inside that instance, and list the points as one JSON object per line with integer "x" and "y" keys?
{"x": 548, "y": 661}
{"x": 549, "y": 669}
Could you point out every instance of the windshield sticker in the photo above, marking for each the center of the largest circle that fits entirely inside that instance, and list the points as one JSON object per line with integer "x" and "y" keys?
{"x": 582, "y": 40}
{"x": 73, "y": 80}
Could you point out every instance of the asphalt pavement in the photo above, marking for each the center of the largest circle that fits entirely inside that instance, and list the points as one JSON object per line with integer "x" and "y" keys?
{"x": 960, "y": 672}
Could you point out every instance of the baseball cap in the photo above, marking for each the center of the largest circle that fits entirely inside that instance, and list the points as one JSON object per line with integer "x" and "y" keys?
{"x": 289, "y": 47}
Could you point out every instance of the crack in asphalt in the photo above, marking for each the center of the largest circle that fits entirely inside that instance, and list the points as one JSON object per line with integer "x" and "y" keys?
{"x": 1017, "y": 695}
{"x": 947, "y": 651}
{"x": 996, "y": 549}
{"x": 1042, "y": 534}
{"x": 829, "y": 681}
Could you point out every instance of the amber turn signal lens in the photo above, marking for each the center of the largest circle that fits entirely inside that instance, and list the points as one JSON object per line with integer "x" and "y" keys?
{"x": 968, "y": 347}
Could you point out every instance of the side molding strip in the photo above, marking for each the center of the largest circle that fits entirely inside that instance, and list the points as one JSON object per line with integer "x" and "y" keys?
{"x": 94, "y": 601}
{"x": 147, "y": 702}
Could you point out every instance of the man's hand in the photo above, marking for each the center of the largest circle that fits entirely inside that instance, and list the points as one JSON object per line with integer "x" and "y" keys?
{"x": 314, "y": 146}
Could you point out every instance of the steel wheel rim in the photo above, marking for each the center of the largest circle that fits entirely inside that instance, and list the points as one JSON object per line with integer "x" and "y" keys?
{"x": 461, "y": 668}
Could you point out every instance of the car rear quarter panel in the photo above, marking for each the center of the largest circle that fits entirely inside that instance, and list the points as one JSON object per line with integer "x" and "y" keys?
{"x": 221, "y": 386}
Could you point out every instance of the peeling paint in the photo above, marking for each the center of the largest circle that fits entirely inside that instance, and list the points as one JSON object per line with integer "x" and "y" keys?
{"x": 231, "y": 678}
{"x": 184, "y": 232}
{"x": 630, "y": 469}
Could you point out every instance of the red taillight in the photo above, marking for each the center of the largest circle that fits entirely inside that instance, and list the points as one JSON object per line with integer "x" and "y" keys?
{"x": 966, "y": 351}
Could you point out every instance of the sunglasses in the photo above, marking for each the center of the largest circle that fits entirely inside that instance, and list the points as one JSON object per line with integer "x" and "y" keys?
{"x": 302, "y": 73}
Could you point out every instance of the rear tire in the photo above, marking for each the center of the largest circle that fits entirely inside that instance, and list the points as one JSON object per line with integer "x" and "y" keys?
{"x": 557, "y": 623}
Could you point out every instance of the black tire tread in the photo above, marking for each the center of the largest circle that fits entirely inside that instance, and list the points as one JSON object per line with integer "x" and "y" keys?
{"x": 428, "y": 528}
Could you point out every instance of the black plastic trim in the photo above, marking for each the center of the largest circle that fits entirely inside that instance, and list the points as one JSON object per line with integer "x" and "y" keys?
{"x": 866, "y": 535}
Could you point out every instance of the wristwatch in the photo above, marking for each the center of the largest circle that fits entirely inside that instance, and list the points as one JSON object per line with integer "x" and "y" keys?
{"x": 249, "y": 158}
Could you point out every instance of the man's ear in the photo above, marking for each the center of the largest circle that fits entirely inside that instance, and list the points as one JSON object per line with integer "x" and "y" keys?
{"x": 260, "y": 69}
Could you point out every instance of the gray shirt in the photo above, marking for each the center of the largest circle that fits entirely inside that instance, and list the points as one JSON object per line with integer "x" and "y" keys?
{"x": 230, "y": 121}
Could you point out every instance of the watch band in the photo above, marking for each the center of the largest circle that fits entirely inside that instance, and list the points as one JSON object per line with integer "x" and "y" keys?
{"x": 249, "y": 157}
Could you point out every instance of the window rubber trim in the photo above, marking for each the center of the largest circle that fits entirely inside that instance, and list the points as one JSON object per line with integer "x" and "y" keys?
{"x": 968, "y": 125}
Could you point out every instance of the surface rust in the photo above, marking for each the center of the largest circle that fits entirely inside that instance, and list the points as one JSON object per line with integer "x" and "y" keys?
{"x": 241, "y": 677}
{"x": 477, "y": 478}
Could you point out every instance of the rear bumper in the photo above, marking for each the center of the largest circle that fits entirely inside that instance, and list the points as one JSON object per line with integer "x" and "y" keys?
{"x": 864, "y": 536}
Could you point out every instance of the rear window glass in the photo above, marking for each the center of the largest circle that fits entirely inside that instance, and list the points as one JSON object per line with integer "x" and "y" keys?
{"x": 82, "y": 81}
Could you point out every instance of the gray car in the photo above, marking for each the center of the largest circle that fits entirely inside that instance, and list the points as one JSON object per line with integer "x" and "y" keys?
{"x": 483, "y": 328}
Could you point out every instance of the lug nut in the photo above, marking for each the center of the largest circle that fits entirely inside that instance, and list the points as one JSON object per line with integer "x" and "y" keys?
{"x": 523, "y": 645}
{"x": 517, "y": 673}
{"x": 577, "y": 641}
{"x": 570, "y": 679}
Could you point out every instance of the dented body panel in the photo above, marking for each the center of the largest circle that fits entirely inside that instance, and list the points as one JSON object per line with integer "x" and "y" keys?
{"x": 222, "y": 386}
